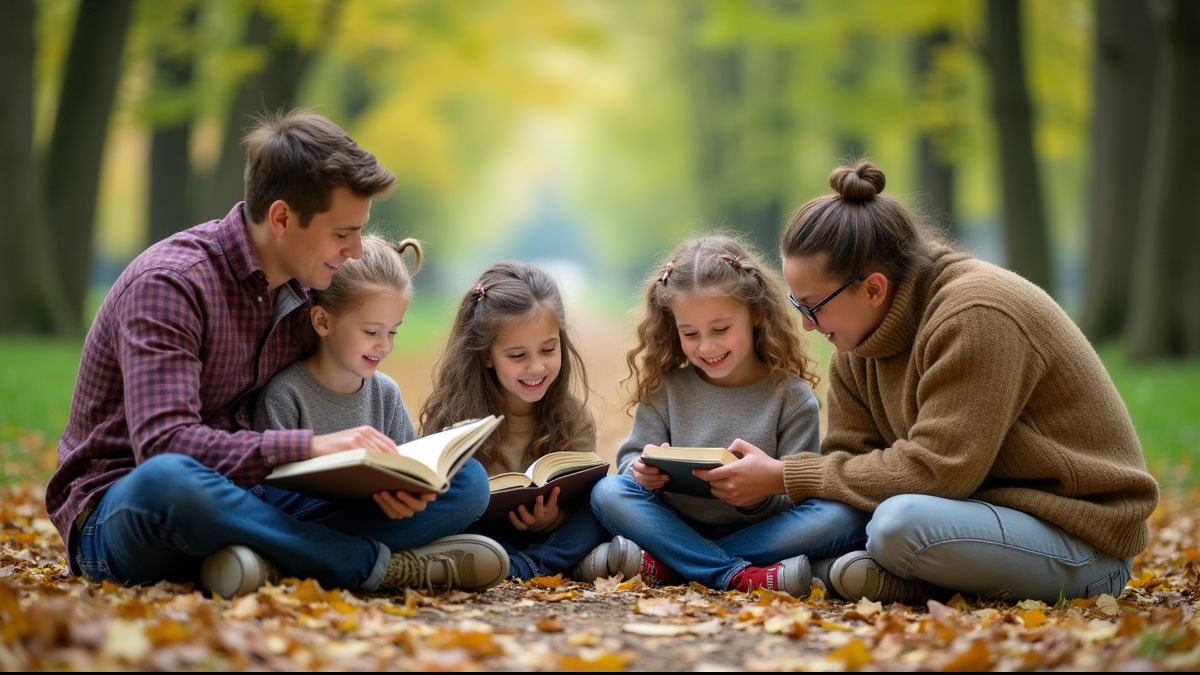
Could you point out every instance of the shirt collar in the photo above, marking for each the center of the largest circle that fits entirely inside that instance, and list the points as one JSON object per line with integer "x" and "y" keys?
{"x": 239, "y": 250}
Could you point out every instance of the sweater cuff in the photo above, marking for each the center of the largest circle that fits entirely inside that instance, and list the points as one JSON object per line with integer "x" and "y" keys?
{"x": 801, "y": 476}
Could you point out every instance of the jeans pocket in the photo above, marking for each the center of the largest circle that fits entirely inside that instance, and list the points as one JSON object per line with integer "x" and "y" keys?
{"x": 1114, "y": 582}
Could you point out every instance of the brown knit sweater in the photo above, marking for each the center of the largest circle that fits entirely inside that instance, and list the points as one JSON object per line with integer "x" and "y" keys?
{"x": 977, "y": 385}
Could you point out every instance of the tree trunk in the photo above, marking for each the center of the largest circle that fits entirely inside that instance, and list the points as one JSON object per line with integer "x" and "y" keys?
{"x": 272, "y": 89}
{"x": 1027, "y": 244}
{"x": 30, "y": 295}
{"x": 170, "y": 167}
{"x": 1123, "y": 86}
{"x": 76, "y": 151}
{"x": 1164, "y": 298}
{"x": 935, "y": 174}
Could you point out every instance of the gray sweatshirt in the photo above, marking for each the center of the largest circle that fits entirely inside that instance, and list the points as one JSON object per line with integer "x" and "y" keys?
{"x": 689, "y": 412}
{"x": 293, "y": 399}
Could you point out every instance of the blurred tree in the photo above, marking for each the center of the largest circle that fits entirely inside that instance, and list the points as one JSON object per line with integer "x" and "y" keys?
{"x": 1164, "y": 317}
{"x": 1027, "y": 243}
{"x": 1122, "y": 88}
{"x": 935, "y": 170}
{"x": 72, "y": 163}
{"x": 31, "y": 299}
{"x": 742, "y": 126}
{"x": 287, "y": 41}
{"x": 171, "y": 111}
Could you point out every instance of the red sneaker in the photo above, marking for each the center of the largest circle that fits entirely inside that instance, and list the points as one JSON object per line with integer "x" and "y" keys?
{"x": 791, "y": 576}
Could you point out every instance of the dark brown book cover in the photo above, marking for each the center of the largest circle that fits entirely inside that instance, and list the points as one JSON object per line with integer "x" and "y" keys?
{"x": 573, "y": 488}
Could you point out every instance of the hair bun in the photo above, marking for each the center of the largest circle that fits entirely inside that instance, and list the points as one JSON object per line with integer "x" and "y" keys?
{"x": 859, "y": 183}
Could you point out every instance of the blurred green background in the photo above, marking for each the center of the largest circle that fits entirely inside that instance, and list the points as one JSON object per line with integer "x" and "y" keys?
{"x": 1055, "y": 137}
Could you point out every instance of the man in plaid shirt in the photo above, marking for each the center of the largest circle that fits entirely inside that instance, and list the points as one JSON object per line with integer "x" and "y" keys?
{"x": 158, "y": 466}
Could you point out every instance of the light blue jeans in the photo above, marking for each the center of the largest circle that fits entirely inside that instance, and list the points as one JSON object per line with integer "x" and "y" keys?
{"x": 989, "y": 551}
{"x": 551, "y": 553}
{"x": 713, "y": 554}
{"x": 161, "y": 520}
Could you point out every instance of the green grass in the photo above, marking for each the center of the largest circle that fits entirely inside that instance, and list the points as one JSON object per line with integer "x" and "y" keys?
{"x": 1164, "y": 402}
{"x": 35, "y": 397}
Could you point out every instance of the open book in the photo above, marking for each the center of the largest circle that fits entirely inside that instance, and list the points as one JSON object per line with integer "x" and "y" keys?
{"x": 423, "y": 465}
{"x": 573, "y": 473}
{"x": 679, "y": 462}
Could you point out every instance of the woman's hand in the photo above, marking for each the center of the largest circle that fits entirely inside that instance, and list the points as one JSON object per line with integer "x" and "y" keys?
{"x": 544, "y": 517}
{"x": 749, "y": 481}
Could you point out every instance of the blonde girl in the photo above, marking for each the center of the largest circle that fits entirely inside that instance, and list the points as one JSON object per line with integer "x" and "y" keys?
{"x": 354, "y": 323}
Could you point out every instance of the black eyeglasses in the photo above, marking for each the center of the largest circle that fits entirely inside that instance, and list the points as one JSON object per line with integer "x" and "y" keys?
{"x": 810, "y": 313}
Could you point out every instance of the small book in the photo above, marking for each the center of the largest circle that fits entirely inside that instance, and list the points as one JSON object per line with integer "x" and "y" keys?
{"x": 425, "y": 464}
{"x": 573, "y": 473}
{"x": 679, "y": 462}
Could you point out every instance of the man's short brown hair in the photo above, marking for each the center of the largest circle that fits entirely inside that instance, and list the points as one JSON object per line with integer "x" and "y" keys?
{"x": 300, "y": 157}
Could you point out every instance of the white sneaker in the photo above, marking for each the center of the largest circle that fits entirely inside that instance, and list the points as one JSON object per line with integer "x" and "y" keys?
{"x": 235, "y": 570}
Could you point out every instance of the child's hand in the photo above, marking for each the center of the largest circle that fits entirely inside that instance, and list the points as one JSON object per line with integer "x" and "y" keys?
{"x": 747, "y": 482}
{"x": 359, "y": 437}
{"x": 648, "y": 476}
{"x": 543, "y": 518}
{"x": 399, "y": 504}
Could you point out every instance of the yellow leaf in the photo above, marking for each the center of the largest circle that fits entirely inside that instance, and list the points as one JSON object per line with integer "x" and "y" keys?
{"x": 547, "y": 582}
{"x": 1032, "y": 618}
{"x": 854, "y": 654}
{"x": 975, "y": 658}
{"x": 602, "y": 662}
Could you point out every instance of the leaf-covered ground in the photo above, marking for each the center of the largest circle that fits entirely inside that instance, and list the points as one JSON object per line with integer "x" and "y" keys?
{"x": 50, "y": 620}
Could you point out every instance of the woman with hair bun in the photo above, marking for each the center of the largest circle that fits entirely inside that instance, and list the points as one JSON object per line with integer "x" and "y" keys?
{"x": 966, "y": 411}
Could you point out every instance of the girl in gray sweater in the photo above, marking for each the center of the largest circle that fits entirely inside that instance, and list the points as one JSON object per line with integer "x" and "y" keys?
{"x": 719, "y": 363}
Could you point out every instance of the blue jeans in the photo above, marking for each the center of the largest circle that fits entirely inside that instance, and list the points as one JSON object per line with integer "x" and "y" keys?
{"x": 552, "y": 552}
{"x": 990, "y": 551}
{"x": 161, "y": 520}
{"x": 713, "y": 554}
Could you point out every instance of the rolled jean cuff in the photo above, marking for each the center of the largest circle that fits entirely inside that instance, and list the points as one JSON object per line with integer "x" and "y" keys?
{"x": 380, "y": 570}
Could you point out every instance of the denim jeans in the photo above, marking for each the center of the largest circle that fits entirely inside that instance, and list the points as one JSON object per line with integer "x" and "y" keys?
{"x": 161, "y": 520}
{"x": 713, "y": 554}
{"x": 990, "y": 551}
{"x": 551, "y": 553}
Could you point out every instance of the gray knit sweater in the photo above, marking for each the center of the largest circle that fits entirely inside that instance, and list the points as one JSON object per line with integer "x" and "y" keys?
{"x": 293, "y": 399}
{"x": 689, "y": 412}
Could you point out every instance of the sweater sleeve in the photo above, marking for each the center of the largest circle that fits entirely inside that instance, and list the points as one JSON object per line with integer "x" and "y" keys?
{"x": 976, "y": 371}
{"x": 650, "y": 427}
{"x": 400, "y": 425}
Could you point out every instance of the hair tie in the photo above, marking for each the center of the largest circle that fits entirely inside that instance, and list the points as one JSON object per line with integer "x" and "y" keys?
{"x": 733, "y": 262}
{"x": 480, "y": 293}
{"x": 666, "y": 274}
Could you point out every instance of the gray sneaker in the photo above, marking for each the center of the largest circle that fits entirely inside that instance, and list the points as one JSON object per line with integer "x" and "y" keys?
{"x": 467, "y": 561}
{"x": 235, "y": 570}
{"x": 625, "y": 557}
{"x": 857, "y": 575}
{"x": 593, "y": 566}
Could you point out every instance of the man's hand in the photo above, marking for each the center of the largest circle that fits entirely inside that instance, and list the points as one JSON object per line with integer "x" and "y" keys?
{"x": 399, "y": 504}
{"x": 542, "y": 518}
{"x": 749, "y": 481}
{"x": 359, "y": 437}
{"x": 648, "y": 476}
